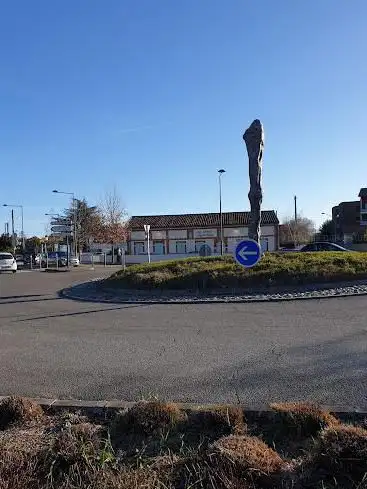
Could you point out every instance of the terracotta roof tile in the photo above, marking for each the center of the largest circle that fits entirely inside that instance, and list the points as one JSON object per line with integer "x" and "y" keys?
{"x": 184, "y": 221}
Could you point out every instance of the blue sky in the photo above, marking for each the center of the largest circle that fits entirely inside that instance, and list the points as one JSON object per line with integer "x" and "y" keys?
{"x": 153, "y": 96}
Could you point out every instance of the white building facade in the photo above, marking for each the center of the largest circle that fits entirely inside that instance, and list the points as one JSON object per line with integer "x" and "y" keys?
{"x": 184, "y": 235}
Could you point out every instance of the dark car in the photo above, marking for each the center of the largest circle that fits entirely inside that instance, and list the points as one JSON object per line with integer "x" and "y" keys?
{"x": 323, "y": 246}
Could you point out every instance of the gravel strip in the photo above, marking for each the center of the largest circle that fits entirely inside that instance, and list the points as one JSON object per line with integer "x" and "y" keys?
{"x": 93, "y": 292}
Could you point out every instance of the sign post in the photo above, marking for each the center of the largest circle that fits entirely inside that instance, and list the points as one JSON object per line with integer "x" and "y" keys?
{"x": 147, "y": 233}
{"x": 247, "y": 253}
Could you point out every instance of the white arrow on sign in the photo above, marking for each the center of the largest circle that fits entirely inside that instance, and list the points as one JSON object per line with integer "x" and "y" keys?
{"x": 244, "y": 254}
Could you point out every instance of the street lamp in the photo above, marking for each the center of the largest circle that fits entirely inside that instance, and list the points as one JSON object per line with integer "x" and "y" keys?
{"x": 19, "y": 207}
{"x": 220, "y": 172}
{"x": 74, "y": 212}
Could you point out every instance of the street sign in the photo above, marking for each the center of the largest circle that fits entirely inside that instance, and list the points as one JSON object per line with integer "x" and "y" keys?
{"x": 60, "y": 222}
{"x": 62, "y": 233}
{"x": 247, "y": 253}
{"x": 60, "y": 228}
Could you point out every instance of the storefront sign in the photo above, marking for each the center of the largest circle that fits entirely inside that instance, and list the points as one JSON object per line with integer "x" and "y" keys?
{"x": 205, "y": 233}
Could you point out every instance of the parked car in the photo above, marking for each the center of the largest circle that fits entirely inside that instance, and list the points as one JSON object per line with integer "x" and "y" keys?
{"x": 7, "y": 262}
{"x": 73, "y": 260}
{"x": 323, "y": 246}
{"x": 20, "y": 260}
{"x": 39, "y": 257}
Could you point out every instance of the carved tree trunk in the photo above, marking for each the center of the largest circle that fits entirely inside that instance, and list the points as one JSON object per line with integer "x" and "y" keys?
{"x": 254, "y": 139}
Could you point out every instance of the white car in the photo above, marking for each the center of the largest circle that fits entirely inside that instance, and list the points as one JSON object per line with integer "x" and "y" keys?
{"x": 74, "y": 261}
{"x": 7, "y": 262}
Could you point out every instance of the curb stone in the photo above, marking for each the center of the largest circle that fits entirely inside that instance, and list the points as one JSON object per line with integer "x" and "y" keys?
{"x": 116, "y": 405}
{"x": 89, "y": 292}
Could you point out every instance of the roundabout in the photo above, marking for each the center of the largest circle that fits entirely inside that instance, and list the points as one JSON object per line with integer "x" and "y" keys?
{"x": 54, "y": 347}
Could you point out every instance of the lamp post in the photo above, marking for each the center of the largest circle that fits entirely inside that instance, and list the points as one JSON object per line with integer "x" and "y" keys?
{"x": 220, "y": 173}
{"x": 74, "y": 213}
{"x": 13, "y": 206}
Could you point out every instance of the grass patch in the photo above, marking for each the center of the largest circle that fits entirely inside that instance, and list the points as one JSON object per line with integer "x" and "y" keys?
{"x": 274, "y": 269}
{"x": 157, "y": 445}
{"x": 338, "y": 459}
{"x": 297, "y": 419}
{"x": 246, "y": 458}
{"x": 147, "y": 418}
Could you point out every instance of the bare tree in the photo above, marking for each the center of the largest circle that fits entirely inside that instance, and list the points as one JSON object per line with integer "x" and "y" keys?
{"x": 113, "y": 229}
{"x": 297, "y": 232}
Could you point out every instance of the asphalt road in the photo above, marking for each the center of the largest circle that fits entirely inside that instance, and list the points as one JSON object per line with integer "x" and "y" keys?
{"x": 256, "y": 353}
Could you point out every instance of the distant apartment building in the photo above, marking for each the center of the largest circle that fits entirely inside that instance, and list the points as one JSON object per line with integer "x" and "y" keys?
{"x": 350, "y": 218}
{"x": 178, "y": 236}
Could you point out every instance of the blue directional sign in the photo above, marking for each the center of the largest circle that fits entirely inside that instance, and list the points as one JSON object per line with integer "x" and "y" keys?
{"x": 247, "y": 253}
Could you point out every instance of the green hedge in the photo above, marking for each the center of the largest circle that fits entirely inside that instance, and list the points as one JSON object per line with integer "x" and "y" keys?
{"x": 223, "y": 272}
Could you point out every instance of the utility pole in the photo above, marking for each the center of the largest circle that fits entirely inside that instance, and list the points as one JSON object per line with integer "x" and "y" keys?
{"x": 295, "y": 221}
{"x": 12, "y": 230}
{"x": 295, "y": 209}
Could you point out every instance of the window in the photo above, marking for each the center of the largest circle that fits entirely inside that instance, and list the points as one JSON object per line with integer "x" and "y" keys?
{"x": 180, "y": 246}
{"x": 6, "y": 256}
{"x": 363, "y": 217}
{"x": 325, "y": 247}
{"x": 158, "y": 247}
{"x": 198, "y": 245}
{"x": 309, "y": 247}
{"x": 139, "y": 248}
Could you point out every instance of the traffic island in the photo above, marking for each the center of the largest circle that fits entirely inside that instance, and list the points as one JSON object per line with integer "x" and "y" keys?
{"x": 223, "y": 273}
{"x": 278, "y": 276}
{"x": 158, "y": 444}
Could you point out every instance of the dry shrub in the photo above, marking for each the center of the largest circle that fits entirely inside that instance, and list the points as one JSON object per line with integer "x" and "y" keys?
{"x": 220, "y": 421}
{"x": 74, "y": 453}
{"x": 70, "y": 417}
{"x": 300, "y": 419}
{"x": 148, "y": 418}
{"x": 246, "y": 457}
{"x": 87, "y": 432}
{"x": 18, "y": 470}
{"x": 340, "y": 454}
{"x": 17, "y": 410}
{"x": 200, "y": 472}
{"x": 19, "y": 457}
{"x": 142, "y": 478}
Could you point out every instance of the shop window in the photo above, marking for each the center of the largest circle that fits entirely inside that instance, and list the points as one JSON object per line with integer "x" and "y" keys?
{"x": 181, "y": 247}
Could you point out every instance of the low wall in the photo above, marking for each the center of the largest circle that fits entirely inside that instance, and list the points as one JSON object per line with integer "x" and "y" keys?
{"x": 357, "y": 246}
{"x": 132, "y": 259}
{"x": 89, "y": 258}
